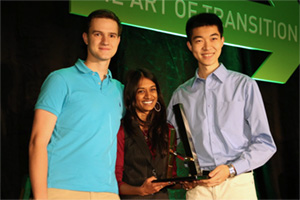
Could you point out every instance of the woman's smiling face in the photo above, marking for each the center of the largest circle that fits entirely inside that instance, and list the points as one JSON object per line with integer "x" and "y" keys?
{"x": 146, "y": 96}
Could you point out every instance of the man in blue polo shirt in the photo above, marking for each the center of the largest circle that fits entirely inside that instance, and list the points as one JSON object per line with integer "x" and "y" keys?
{"x": 72, "y": 149}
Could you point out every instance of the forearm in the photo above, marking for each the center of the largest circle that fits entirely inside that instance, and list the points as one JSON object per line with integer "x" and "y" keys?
{"x": 42, "y": 129}
{"x": 126, "y": 189}
{"x": 255, "y": 156}
{"x": 38, "y": 168}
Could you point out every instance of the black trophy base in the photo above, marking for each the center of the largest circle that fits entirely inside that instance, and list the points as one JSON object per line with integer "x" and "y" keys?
{"x": 182, "y": 179}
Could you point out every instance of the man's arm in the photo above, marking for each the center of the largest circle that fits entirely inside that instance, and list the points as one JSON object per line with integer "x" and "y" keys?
{"x": 261, "y": 146}
{"x": 43, "y": 125}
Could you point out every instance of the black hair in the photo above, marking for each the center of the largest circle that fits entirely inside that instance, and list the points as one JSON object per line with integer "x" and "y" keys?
{"x": 203, "y": 19}
{"x": 156, "y": 121}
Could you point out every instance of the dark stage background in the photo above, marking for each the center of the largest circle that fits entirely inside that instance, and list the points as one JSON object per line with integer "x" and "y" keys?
{"x": 39, "y": 37}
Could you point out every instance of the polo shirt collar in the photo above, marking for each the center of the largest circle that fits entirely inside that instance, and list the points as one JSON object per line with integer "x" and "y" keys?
{"x": 84, "y": 69}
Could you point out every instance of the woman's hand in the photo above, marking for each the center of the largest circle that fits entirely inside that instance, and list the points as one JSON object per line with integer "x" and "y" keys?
{"x": 188, "y": 185}
{"x": 149, "y": 187}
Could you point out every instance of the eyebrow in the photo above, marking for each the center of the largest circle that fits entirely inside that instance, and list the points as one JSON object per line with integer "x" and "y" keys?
{"x": 144, "y": 88}
{"x": 96, "y": 31}
{"x": 214, "y": 34}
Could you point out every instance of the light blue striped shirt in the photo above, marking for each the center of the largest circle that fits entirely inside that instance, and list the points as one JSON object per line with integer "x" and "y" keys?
{"x": 227, "y": 118}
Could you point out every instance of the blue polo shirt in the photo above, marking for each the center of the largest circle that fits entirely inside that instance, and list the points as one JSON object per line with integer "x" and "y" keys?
{"x": 82, "y": 148}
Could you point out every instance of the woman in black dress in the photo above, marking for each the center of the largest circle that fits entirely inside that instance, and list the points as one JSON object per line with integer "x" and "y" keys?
{"x": 143, "y": 140}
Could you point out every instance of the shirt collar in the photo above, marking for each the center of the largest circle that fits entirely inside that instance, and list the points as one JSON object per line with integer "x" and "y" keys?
{"x": 84, "y": 69}
{"x": 220, "y": 73}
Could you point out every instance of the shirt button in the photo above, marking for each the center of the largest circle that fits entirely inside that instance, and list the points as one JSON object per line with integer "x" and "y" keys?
{"x": 99, "y": 83}
{"x": 94, "y": 74}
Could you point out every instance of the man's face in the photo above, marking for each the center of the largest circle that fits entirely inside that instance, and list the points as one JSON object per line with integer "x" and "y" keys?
{"x": 102, "y": 39}
{"x": 206, "y": 45}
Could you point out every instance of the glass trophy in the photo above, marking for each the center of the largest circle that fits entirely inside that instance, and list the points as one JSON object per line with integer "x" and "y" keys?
{"x": 190, "y": 158}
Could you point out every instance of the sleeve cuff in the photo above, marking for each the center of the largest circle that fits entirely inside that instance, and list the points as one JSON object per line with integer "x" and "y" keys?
{"x": 241, "y": 166}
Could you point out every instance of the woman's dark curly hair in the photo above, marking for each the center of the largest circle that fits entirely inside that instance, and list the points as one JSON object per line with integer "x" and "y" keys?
{"x": 156, "y": 121}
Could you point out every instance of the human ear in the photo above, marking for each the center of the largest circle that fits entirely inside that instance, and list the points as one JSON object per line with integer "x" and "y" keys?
{"x": 85, "y": 38}
{"x": 189, "y": 45}
{"x": 119, "y": 39}
{"x": 223, "y": 40}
